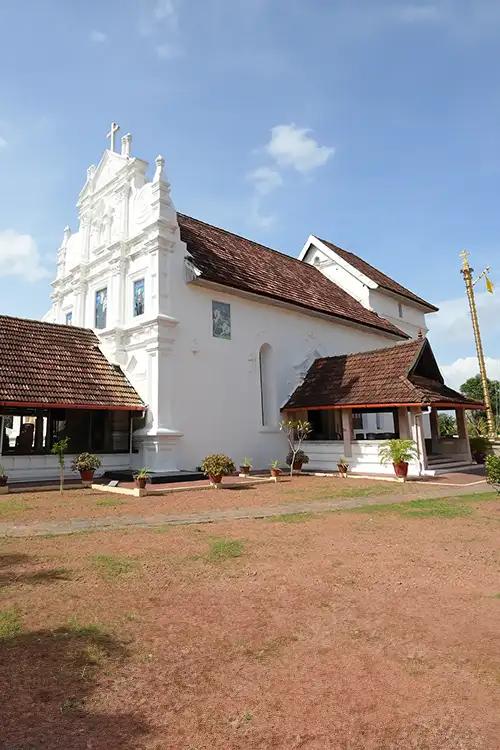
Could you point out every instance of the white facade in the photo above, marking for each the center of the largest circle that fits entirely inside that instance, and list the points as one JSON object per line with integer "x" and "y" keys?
{"x": 204, "y": 394}
{"x": 400, "y": 310}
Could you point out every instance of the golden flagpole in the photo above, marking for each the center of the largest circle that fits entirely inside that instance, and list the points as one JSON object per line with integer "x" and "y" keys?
{"x": 467, "y": 272}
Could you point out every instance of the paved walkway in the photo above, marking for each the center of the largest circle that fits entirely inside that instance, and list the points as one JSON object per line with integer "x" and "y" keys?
{"x": 75, "y": 525}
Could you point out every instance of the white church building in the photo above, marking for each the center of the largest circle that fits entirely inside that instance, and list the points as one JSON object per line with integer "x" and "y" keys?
{"x": 217, "y": 333}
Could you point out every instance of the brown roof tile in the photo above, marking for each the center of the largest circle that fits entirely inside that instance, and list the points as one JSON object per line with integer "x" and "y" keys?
{"x": 380, "y": 278}
{"x": 44, "y": 364}
{"x": 403, "y": 374}
{"x": 228, "y": 259}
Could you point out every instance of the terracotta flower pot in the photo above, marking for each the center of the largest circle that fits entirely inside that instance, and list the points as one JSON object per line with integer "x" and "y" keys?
{"x": 401, "y": 470}
{"x": 275, "y": 473}
{"x": 245, "y": 470}
{"x": 87, "y": 475}
{"x": 3, "y": 480}
{"x": 297, "y": 466}
{"x": 215, "y": 478}
{"x": 140, "y": 482}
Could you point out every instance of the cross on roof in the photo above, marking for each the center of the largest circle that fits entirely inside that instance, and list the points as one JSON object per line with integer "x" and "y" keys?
{"x": 111, "y": 135}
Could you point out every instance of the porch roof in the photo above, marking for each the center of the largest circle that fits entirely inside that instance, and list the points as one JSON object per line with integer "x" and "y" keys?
{"x": 403, "y": 375}
{"x": 44, "y": 365}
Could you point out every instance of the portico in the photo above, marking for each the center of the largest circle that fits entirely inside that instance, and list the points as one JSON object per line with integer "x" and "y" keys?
{"x": 355, "y": 402}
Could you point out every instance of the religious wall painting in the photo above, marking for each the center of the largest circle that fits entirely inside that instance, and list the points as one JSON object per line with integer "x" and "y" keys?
{"x": 139, "y": 297}
{"x": 101, "y": 306}
{"x": 221, "y": 320}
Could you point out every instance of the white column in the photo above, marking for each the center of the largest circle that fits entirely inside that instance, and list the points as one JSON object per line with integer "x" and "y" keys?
{"x": 417, "y": 435}
{"x": 347, "y": 431}
{"x": 404, "y": 424}
{"x": 434, "y": 422}
{"x": 462, "y": 432}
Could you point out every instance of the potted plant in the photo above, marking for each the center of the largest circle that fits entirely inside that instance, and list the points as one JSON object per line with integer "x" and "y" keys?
{"x": 343, "y": 466}
{"x": 493, "y": 471}
{"x": 142, "y": 477}
{"x": 297, "y": 430}
{"x": 86, "y": 464}
{"x": 297, "y": 461}
{"x": 399, "y": 452}
{"x": 275, "y": 469}
{"x": 480, "y": 447}
{"x": 3, "y": 477}
{"x": 246, "y": 466}
{"x": 216, "y": 466}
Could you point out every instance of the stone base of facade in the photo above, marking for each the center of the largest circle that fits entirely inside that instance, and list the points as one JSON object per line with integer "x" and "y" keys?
{"x": 158, "y": 452}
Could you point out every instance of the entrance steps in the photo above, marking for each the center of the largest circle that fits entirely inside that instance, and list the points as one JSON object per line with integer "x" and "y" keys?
{"x": 437, "y": 465}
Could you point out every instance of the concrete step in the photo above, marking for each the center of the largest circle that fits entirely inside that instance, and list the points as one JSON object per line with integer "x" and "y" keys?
{"x": 434, "y": 471}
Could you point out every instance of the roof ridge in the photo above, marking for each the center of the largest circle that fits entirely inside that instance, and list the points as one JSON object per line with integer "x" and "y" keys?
{"x": 253, "y": 242}
{"x": 48, "y": 323}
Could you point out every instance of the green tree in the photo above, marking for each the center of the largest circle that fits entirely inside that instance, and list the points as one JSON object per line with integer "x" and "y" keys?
{"x": 59, "y": 449}
{"x": 447, "y": 425}
{"x": 472, "y": 388}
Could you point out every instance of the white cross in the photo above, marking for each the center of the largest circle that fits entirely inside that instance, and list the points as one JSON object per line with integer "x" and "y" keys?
{"x": 111, "y": 135}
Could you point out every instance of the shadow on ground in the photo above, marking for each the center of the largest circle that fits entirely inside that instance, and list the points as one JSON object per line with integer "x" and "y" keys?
{"x": 49, "y": 679}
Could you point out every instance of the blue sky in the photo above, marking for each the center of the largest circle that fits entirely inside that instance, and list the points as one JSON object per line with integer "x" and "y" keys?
{"x": 373, "y": 124}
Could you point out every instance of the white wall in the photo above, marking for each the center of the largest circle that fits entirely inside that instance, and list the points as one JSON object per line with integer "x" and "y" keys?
{"x": 216, "y": 382}
{"x": 31, "y": 468}
{"x": 386, "y": 305}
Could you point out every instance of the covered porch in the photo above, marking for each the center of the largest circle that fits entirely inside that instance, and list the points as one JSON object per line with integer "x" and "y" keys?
{"x": 354, "y": 402}
{"x": 56, "y": 383}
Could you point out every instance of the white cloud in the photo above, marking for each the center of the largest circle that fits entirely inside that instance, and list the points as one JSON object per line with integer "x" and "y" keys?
{"x": 3, "y": 142}
{"x": 419, "y": 13}
{"x": 167, "y": 51}
{"x": 294, "y": 147}
{"x": 166, "y": 10}
{"x": 257, "y": 217}
{"x": 265, "y": 180}
{"x": 19, "y": 256}
{"x": 98, "y": 37}
{"x": 466, "y": 367}
{"x": 452, "y": 325}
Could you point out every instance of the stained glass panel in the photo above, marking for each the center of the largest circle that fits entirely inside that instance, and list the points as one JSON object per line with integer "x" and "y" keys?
{"x": 101, "y": 306}
{"x": 139, "y": 297}
{"x": 221, "y": 320}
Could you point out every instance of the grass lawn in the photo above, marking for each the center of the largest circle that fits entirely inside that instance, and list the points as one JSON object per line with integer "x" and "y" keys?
{"x": 372, "y": 629}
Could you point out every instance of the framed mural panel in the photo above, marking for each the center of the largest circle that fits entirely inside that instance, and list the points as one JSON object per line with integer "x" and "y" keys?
{"x": 139, "y": 297}
{"x": 221, "y": 320}
{"x": 101, "y": 307}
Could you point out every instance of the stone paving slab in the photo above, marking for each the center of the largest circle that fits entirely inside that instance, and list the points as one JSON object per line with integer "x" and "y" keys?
{"x": 76, "y": 525}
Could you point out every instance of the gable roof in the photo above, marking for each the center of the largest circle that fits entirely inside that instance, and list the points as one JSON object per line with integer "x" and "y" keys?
{"x": 48, "y": 365}
{"x": 378, "y": 276}
{"x": 402, "y": 375}
{"x": 233, "y": 261}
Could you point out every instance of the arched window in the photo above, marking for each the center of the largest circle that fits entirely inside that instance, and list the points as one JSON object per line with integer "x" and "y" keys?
{"x": 267, "y": 386}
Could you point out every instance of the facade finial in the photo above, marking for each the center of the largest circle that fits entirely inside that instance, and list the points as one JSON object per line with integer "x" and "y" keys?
{"x": 160, "y": 163}
{"x": 126, "y": 144}
{"x": 111, "y": 135}
{"x": 66, "y": 235}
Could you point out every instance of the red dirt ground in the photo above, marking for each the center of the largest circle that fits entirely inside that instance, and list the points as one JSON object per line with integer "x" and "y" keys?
{"x": 87, "y": 503}
{"x": 348, "y": 631}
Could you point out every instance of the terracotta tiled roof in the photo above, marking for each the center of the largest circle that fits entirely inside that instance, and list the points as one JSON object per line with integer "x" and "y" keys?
{"x": 44, "y": 364}
{"x": 380, "y": 278}
{"x": 404, "y": 374}
{"x": 231, "y": 260}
